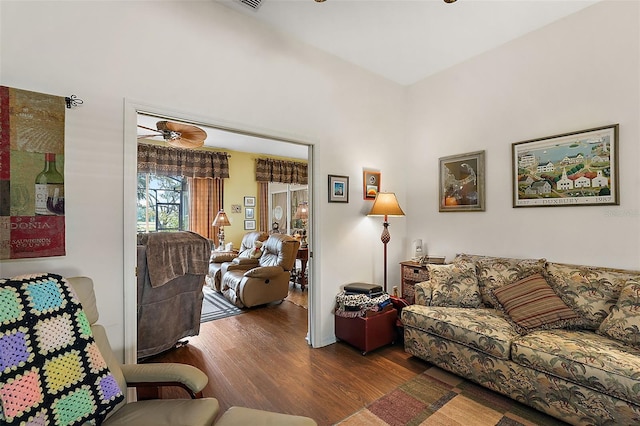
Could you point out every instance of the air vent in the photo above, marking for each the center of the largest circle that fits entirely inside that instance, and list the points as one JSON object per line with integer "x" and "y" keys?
{"x": 253, "y": 4}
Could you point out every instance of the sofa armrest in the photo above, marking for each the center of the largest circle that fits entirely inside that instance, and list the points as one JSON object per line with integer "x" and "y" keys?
{"x": 186, "y": 376}
{"x": 264, "y": 272}
{"x": 246, "y": 261}
{"x": 220, "y": 257}
{"x": 423, "y": 293}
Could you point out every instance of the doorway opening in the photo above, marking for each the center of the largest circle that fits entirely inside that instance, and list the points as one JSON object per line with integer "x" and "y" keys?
{"x": 238, "y": 139}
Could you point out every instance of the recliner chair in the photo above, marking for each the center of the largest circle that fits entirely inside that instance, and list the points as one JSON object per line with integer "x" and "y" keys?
{"x": 170, "y": 412}
{"x": 248, "y": 282}
{"x": 214, "y": 278}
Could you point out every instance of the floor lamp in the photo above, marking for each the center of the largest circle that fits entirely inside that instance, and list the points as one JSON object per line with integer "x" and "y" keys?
{"x": 221, "y": 221}
{"x": 385, "y": 204}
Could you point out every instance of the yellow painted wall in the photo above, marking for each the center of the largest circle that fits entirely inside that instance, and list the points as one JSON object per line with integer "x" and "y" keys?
{"x": 241, "y": 183}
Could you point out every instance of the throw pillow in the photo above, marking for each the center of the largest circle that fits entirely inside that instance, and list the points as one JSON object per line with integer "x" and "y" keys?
{"x": 51, "y": 371}
{"x": 590, "y": 291}
{"x": 256, "y": 251}
{"x": 531, "y": 304}
{"x": 623, "y": 323}
{"x": 455, "y": 284}
{"x": 495, "y": 272}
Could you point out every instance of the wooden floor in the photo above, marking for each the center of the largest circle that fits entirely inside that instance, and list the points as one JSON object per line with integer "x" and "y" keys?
{"x": 260, "y": 359}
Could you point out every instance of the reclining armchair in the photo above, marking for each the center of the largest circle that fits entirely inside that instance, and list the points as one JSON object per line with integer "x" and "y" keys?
{"x": 248, "y": 282}
{"x": 170, "y": 412}
{"x": 59, "y": 367}
{"x": 214, "y": 278}
{"x": 171, "y": 272}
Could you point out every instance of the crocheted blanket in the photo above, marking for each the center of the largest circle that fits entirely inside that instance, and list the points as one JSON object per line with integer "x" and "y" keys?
{"x": 51, "y": 370}
{"x": 357, "y": 305}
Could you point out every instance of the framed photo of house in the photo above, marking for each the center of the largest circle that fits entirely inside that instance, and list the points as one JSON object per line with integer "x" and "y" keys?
{"x": 249, "y": 225}
{"x": 249, "y": 201}
{"x": 338, "y": 189}
{"x": 249, "y": 213}
{"x": 572, "y": 169}
{"x": 370, "y": 184}
{"x": 461, "y": 187}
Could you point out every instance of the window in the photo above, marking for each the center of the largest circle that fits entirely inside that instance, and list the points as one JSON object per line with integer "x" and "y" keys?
{"x": 163, "y": 203}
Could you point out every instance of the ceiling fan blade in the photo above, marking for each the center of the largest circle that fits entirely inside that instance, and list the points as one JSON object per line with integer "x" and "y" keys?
{"x": 182, "y": 135}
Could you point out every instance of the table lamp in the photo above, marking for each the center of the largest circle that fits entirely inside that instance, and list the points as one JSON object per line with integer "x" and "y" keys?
{"x": 221, "y": 221}
{"x": 385, "y": 204}
{"x": 302, "y": 213}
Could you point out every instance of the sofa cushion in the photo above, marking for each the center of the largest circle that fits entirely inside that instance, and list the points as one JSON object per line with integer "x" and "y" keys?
{"x": 51, "y": 370}
{"x": 455, "y": 285}
{"x": 623, "y": 322}
{"x": 482, "y": 329}
{"x": 582, "y": 357}
{"x": 590, "y": 291}
{"x": 530, "y": 304}
{"x": 494, "y": 272}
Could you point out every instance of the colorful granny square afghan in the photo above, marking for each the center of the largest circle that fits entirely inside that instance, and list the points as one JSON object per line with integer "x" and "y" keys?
{"x": 51, "y": 371}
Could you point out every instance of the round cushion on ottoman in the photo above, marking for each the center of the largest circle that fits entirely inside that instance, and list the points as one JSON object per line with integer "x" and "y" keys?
{"x": 241, "y": 416}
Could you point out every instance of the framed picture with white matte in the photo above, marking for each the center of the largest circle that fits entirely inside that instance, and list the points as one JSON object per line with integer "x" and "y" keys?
{"x": 338, "y": 189}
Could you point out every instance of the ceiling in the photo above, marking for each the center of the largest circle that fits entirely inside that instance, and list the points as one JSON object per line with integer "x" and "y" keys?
{"x": 224, "y": 139}
{"x": 407, "y": 40}
{"x": 403, "y": 41}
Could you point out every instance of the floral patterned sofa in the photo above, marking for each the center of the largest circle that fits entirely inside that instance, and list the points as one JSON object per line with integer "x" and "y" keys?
{"x": 561, "y": 338}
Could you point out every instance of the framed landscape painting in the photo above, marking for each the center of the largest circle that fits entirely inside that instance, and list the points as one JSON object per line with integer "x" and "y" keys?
{"x": 571, "y": 169}
{"x": 462, "y": 182}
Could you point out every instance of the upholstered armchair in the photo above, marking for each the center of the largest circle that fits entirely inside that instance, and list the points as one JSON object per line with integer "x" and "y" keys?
{"x": 197, "y": 411}
{"x": 217, "y": 260}
{"x": 248, "y": 282}
{"x": 201, "y": 411}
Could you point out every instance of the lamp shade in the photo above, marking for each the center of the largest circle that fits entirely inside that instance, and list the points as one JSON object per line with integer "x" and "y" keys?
{"x": 386, "y": 204}
{"x": 221, "y": 219}
{"x": 302, "y": 212}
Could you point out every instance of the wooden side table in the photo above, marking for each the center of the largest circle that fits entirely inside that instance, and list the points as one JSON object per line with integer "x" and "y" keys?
{"x": 411, "y": 274}
{"x": 301, "y": 277}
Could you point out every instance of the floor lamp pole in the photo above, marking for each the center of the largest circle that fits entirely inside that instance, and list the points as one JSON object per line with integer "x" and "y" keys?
{"x": 385, "y": 238}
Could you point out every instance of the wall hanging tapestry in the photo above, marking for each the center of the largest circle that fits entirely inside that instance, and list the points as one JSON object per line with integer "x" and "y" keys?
{"x": 31, "y": 174}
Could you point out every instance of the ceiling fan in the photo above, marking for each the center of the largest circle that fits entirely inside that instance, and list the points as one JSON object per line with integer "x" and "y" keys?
{"x": 178, "y": 134}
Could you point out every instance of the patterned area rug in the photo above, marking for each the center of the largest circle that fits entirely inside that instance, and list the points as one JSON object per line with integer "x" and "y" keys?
{"x": 215, "y": 306}
{"x": 437, "y": 397}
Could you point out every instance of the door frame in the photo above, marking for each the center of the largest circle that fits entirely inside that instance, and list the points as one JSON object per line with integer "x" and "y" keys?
{"x": 131, "y": 110}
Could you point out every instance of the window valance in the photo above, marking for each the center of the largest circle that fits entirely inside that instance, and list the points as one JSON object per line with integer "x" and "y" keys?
{"x": 169, "y": 161}
{"x": 271, "y": 170}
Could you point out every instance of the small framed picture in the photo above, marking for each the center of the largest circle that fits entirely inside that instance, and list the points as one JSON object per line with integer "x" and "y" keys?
{"x": 370, "y": 184}
{"x": 249, "y": 201}
{"x": 248, "y": 213}
{"x": 249, "y": 225}
{"x": 338, "y": 189}
{"x": 462, "y": 182}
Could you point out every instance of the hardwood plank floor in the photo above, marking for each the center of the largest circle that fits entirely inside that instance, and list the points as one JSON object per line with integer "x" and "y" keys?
{"x": 260, "y": 359}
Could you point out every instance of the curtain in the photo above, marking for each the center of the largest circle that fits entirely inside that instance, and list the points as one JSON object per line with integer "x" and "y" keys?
{"x": 169, "y": 161}
{"x": 205, "y": 199}
{"x": 263, "y": 206}
{"x": 271, "y": 170}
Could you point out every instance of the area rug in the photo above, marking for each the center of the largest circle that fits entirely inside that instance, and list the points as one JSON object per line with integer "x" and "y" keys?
{"x": 215, "y": 306}
{"x": 436, "y": 397}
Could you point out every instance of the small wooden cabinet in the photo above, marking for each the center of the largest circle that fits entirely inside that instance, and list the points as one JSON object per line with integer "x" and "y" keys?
{"x": 368, "y": 333}
{"x": 411, "y": 274}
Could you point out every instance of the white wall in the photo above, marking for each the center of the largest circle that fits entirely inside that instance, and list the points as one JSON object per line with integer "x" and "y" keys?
{"x": 200, "y": 58}
{"x": 578, "y": 73}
